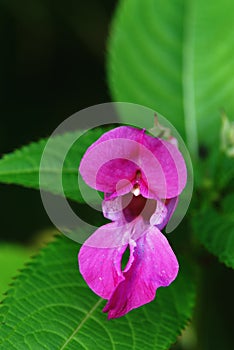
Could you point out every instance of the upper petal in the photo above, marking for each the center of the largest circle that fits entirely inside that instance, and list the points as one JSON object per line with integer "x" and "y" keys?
{"x": 120, "y": 153}
{"x": 172, "y": 163}
{"x": 153, "y": 265}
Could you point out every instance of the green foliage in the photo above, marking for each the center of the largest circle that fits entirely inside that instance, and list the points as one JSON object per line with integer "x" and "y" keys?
{"x": 214, "y": 227}
{"x": 175, "y": 57}
{"x": 225, "y": 174}
{"x": 23, "y": 166}
{"x": 51, "y": 307}
{"x": 215, "y": 305}
{"x": 12, "y": 258}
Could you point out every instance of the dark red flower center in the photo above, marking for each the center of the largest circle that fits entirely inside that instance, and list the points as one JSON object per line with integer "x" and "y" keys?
{"x": 137, "y": 205}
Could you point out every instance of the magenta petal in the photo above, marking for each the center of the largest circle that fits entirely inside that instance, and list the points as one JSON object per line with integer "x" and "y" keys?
{"x": 172, "y": 163}
{"x": 154, "y": 265}
{"x": 108, "y": 164}
{"x": 113, "y": 209}
{"x": 171, "y": 205}
{"x": 159, "y": 215}
{"x": 121, "y": 152}
{"x": 100, "y": 266}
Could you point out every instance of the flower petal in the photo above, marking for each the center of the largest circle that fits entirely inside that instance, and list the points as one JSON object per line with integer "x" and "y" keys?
{"x": 159, "y": 214}
{"x": 123, "y": 151}
{"x": 153, "y": 265}
{"x": 172, "y": 163}
{"x": 113, "y": 208}
{"x": 100, "y": 259}
{"x": 171, "y": 205}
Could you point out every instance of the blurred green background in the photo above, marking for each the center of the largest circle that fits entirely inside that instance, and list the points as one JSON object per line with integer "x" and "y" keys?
{"x": 52, "y": 64}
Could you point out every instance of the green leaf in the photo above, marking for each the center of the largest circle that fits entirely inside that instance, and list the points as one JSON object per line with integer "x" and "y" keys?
{"x": 215, "y": 229}
{"x": 12, "y": 258}
{"x": 23, "y": 166}
{"x": 225, "y": 173}
{"x": 177, "y": 58}
{"x": 51, "y": 307}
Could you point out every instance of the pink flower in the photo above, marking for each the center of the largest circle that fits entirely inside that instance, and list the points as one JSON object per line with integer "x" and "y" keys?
{"x": 141, "y": 177}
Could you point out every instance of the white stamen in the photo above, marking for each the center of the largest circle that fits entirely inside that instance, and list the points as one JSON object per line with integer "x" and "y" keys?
{"x": 136, "y": 191}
